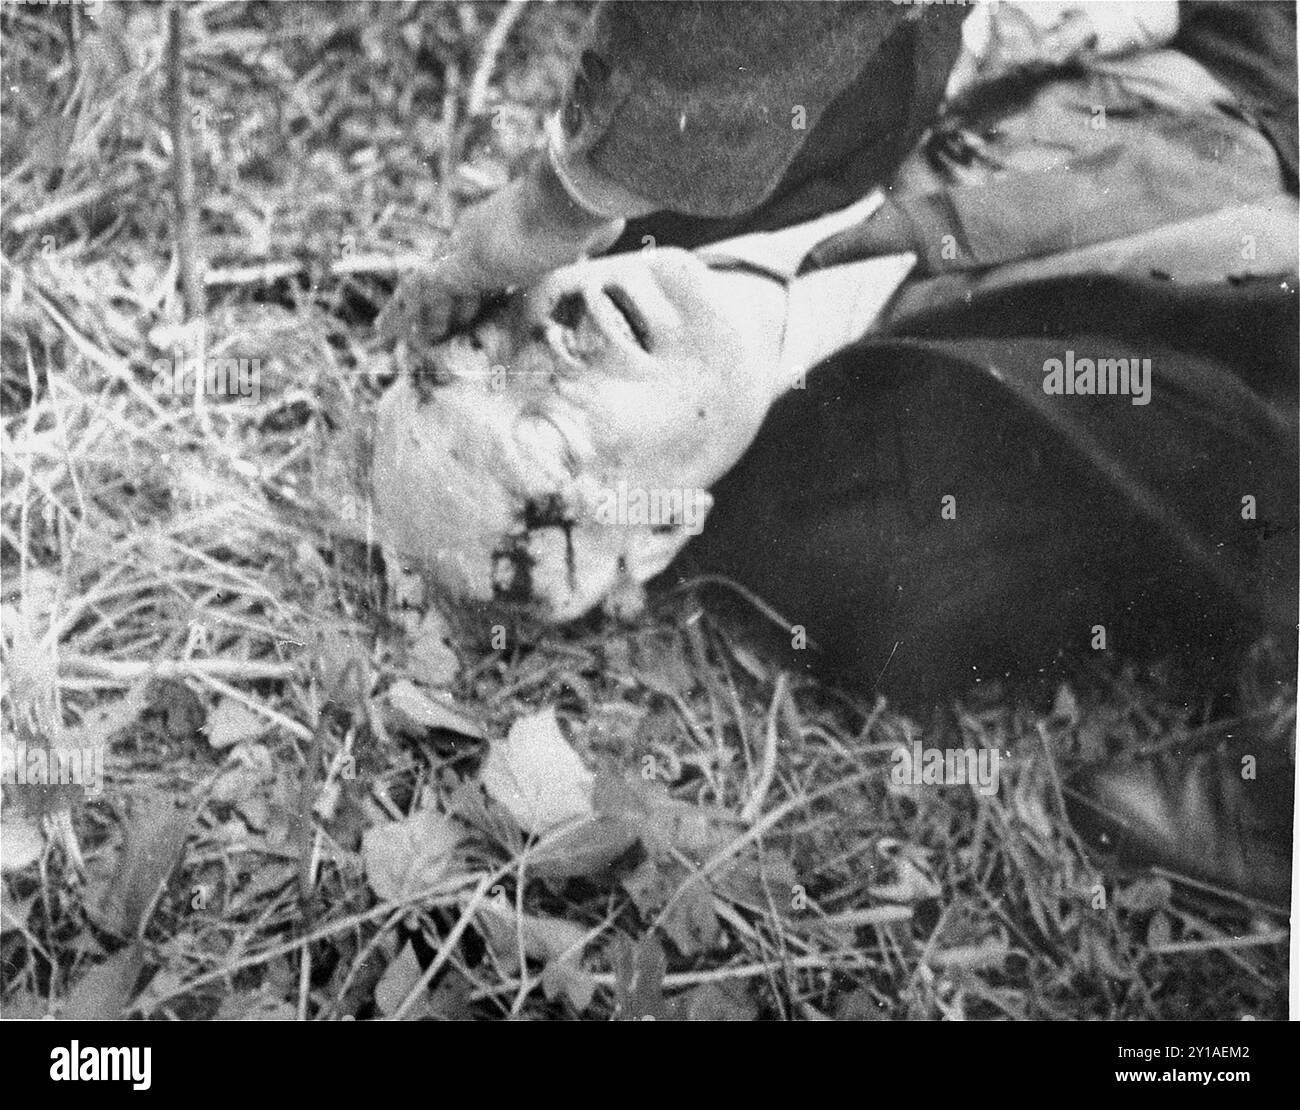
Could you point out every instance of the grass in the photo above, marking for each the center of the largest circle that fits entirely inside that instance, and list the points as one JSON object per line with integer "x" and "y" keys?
{"x": 188, "y": 581}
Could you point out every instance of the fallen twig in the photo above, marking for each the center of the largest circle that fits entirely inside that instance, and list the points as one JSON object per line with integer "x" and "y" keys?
{"x": 1212, "y": 944}
{"x": 128, "y": 670}
{"x": 263, "y": 273}
{"x": 187, "y": 226}
{"x": 509, "y": 15}
{"x": 63, "y": 206}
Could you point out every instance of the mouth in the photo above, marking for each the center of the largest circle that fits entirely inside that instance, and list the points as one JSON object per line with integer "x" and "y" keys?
{"x": 637, "y": 329}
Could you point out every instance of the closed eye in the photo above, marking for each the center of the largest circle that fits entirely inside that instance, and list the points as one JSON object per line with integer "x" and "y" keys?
{"x": 628, "y": 310}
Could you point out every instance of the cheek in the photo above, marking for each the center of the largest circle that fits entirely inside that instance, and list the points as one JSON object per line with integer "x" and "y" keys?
{"x": 653, "y": 434}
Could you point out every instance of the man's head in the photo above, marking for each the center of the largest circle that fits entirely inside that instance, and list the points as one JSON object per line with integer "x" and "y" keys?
{"x": 567, "y": 440}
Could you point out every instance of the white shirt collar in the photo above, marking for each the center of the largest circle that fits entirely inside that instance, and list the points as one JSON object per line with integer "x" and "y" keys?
{"x": 828, "y": 309}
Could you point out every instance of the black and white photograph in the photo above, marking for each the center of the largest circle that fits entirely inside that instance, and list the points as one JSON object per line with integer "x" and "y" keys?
{"x": 649, "y": 511}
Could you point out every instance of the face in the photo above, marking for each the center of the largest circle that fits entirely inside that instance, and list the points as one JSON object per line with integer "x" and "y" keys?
{"x": 567, "y": 441}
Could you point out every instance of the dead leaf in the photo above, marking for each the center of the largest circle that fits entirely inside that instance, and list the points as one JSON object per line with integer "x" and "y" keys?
{"x": 542, "y": 938}
{"x": 536, "y": 776}
{"x": 429, "y": 657}
{"x": 614, "y": 724}
{"x": 639, "y": 971}
{"x": 664, "y": 823}
{"x": 1145, "y": 894}
{"x": 587, "y": 850}
{"x": 565, "y": 977}
{"x": 720, "y": 1002}
{"x": 251, "y": 767}
{"x": 232, "y": 723}
{"x": 398, "y": 980}
{"x": 860, "y": 1005}
{"x": 154, "y": 843}
{"x": 1095, "y": 950}
{"x": 21, "y": 839}
{"x": 664, "y": 668}
{"x": 416, "y": 710}
{"x": 406, "y": 857}
{"x": 648, "y": 887}
{"x": 750, "y": 880}
{"x": 1029, "y": 802}
{"x": 105, "y": 991}
{"x": 557, "y": 942}
{"x": 25, "y": 1006}
{"x": 691, "y": 923}
{"x": 912, "y": 879}
{"x": 343, "y": 666}
{"x": 174, "y": 710}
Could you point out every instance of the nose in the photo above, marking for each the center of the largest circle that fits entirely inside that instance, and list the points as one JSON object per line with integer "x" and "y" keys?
{"x": 569, "y": 310}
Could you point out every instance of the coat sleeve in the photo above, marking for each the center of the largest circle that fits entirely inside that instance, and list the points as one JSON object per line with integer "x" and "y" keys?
{"x": 700, "y": 107}
{"x": 1251, "y": 48}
